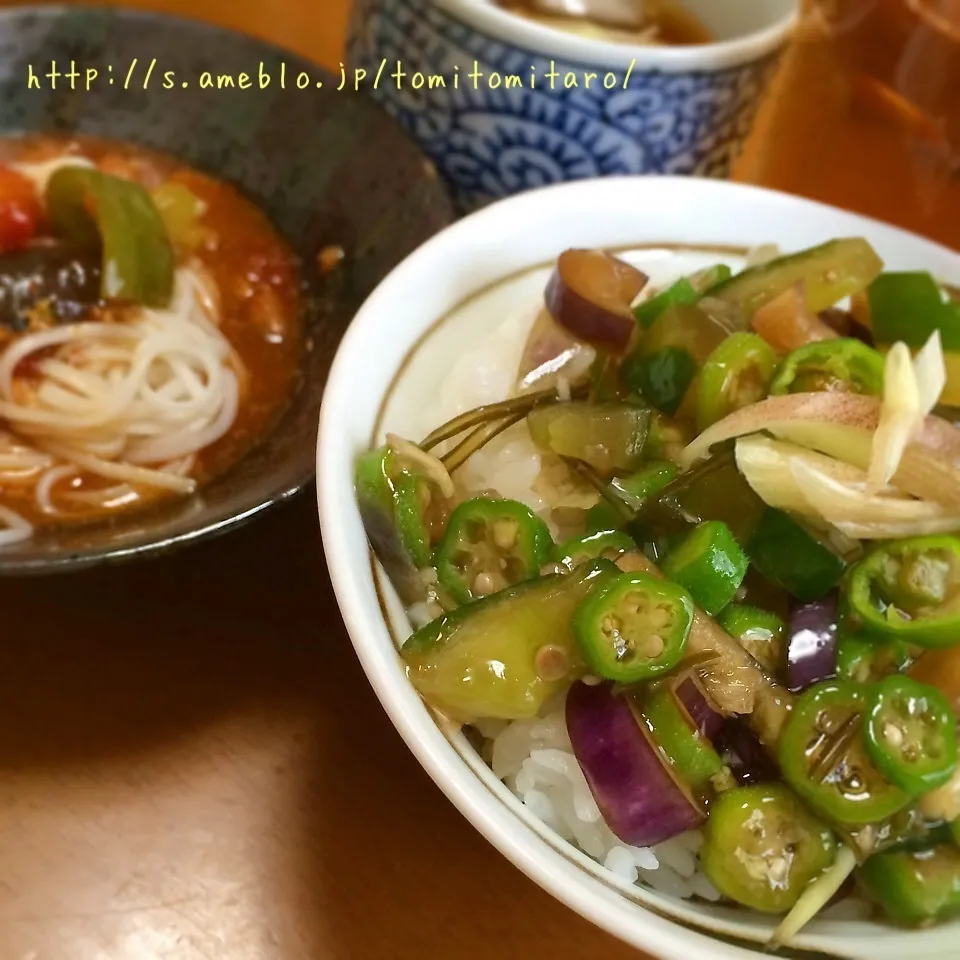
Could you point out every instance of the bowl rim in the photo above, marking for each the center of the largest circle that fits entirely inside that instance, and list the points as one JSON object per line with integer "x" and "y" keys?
{"x": 517, "y": 31}
{"x": 667, "y": 938}
{"x": 296, "y": 483}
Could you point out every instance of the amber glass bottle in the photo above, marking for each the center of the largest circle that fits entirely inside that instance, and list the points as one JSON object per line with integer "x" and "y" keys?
{"x": 865, "y": 113}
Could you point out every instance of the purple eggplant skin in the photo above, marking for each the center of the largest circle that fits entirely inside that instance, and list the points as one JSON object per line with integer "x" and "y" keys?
{"x": 812, "y": 643}
{"x": 638, "y": 798}
{"x": 706, "y": 720}
{"x": 744, "y": 755}
{"x": 48, "y": 270}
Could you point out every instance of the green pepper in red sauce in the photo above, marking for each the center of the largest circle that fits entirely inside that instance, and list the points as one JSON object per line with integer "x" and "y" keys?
{"x": 94, "y": 209}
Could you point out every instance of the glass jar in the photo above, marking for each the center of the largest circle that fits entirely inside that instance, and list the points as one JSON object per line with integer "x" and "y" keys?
{"x": 865, "y": 113}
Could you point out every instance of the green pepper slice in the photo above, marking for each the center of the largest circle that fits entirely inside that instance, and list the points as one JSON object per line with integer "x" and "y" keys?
{"x": 737, "y": 374}
{"x": 843, "y": 365}
{"x": 911, "y": 734}
{"x": 93, "y": 209}
{"x": 762, "y": 847}
{"x": 759, "y": 632}
{"x": 955, "y": 832}
{"x": 506, "y": 655}
{"x": 709, "y": 564}
{"x": 909, "y": 590}
{"x": 682, "y": 746}
{"x": 829, "y": 272}
{"x": 608, "y": 544}
{"x": 490, "y": 545}
{"x": 633, "y": 627}
{"x": 843, "y": 785}
{"x": 788, "y": 552}
{"x": 909, "y": 306}
{"x": 607, "y": 436}
{"x": 915, "y": 888}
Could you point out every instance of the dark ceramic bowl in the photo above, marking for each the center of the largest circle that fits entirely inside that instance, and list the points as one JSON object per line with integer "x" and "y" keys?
{"x": 328, "y": 168}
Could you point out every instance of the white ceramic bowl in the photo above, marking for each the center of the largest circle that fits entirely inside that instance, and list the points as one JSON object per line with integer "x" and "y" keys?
{"x": 501, "y": 241}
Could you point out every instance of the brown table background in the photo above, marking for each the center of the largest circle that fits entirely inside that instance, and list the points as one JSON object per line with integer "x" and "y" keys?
{"x": 192, "y": 765}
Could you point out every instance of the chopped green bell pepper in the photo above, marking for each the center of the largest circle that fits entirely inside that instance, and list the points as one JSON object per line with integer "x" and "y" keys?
{"x": 909, "y": 307}
{"x": 709, "y": 564}
{"x": 838, "y": 366}
{"x": 94, "y": 209}
{"x": 633, "y": 627}
{"x": 911, "y": 734}
{"x": 789, "y": 553}
{"x": 915, "y": 889}
{"x": 737, "y": 374}
{"x": 908, "y": 590}
{"x": 762, "y": 848}
{"x": 490, "y": 545}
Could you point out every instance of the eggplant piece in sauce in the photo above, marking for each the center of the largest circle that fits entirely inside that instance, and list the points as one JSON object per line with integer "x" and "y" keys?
{"x": 68, "y": 279}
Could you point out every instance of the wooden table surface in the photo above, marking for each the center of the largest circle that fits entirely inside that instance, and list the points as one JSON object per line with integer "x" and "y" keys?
{"x": 192, "y": 765}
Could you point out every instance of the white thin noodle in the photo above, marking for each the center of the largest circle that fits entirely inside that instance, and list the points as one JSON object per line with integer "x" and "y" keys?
{"x": 132, "y": 402}
{"x": 17, "y": 529}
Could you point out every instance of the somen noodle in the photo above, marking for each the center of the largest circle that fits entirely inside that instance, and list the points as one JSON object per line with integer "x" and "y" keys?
{"x": 119, "y": 396}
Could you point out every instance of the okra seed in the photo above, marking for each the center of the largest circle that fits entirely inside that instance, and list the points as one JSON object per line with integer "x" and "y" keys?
{"x": 505, "y": 534}
{"x": 893, "y": 735}
{"x": 653, "y": 646}
{"x": 484, "y": 585}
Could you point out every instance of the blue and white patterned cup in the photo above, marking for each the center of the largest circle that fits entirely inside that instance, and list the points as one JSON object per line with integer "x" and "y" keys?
{"x": 502, "y": 104}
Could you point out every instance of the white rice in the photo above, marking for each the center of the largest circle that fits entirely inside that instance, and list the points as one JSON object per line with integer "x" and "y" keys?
{"x": 535, "y": 760}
